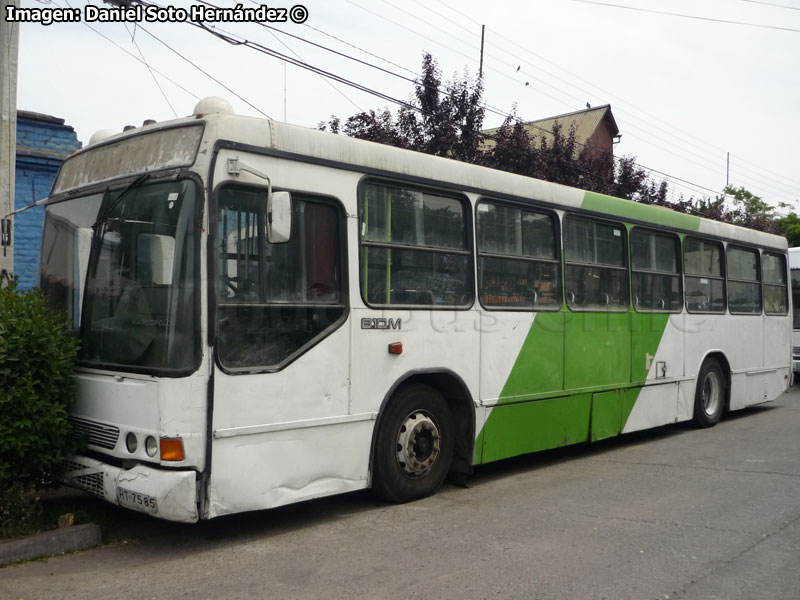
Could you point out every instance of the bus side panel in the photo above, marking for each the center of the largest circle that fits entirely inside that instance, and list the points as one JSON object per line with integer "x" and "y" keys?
{"x": 281, "y": 467}
{"x": 522, "y": 354}
{"x": 777, "y": 341}
{"x": 597, "y": 349}
{"x": 531, "y": 426}
{"x": 287, "y": 436}
{"x": 432, "y": 341}
{"x": 657, "y": 358}
{"x": 651, "y": 406}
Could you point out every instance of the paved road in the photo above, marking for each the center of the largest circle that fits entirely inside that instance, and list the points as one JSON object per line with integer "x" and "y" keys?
{"x": 670, "y": 513}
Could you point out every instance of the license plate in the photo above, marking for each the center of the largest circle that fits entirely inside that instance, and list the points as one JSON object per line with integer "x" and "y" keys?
{"x": 136, "y": 500}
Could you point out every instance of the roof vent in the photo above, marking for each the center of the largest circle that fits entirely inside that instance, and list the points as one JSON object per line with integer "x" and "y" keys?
{"x": 212, "y": 105}
{"x": 100, "y": 135}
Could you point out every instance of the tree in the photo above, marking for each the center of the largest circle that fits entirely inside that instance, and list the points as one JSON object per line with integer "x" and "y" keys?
{"x": 447, "y": 121}
{"x": 791, "y": 228}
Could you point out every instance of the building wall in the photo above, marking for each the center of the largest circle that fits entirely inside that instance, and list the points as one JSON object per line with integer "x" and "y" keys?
{"x": 43, "y": 142}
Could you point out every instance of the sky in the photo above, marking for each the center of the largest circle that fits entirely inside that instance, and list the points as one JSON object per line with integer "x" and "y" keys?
{"x": 685, "y": 90}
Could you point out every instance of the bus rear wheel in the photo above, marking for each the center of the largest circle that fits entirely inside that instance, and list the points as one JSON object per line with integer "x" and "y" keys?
{"x": 709, "y": 398}
{"x": 414, "y": 446}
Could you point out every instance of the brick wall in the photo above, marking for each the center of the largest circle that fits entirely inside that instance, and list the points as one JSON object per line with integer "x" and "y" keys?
{"x": 43, "y": 142}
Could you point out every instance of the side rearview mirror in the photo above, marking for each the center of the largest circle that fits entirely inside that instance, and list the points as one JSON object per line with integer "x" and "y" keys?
{"x": 279, "y": 217}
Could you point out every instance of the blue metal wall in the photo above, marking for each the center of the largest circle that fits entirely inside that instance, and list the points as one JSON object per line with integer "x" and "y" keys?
{"x": 43, "y": 142}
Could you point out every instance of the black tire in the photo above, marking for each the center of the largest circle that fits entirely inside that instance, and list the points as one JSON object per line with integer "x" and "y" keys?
{"x": 709, "y": 397}
{"x": 414, "y": 445}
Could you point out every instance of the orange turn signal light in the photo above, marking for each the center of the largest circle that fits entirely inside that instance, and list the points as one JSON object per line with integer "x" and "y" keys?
{"x": 171, "y": 449}
{"x": 396, "y": 348}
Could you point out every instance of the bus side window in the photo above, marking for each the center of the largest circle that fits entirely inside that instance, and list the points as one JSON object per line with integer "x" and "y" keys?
{"x": 517, "y": 258}
{"x": 744, "y": 280}
{"x": 773, "y": 267}
{"x": 704, "y": 277}
{"x": 595, "y": 263}
{"x": 414, "y": 248}
{"x": 655, "y": 271}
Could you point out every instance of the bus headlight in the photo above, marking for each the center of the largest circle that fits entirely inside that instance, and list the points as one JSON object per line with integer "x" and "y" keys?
{"x": 131, "y": 442}
{"x": 151, "y": 445}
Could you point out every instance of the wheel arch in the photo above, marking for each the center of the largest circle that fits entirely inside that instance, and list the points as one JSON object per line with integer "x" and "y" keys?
{"x": 725, "y": 365}
{"x": 459, "y": 399}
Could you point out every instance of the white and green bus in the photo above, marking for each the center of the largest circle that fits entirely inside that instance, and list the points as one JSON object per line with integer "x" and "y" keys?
{"x": 269, "y": 314}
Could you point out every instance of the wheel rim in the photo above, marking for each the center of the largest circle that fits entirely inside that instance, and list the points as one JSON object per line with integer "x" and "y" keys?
{"x": 712, "y": 393}
{"x": 418, "y": 443}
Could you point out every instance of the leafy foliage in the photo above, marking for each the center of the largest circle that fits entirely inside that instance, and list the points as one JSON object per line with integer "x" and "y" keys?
{"x": 447, "y": 120}
{"x": 36, "y": 386}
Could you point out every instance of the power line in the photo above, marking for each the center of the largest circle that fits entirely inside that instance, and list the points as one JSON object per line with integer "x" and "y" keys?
{"x": 450, "y": 35}
{"x": 276, "y": 54}
{"x": 160, "y": 89}
{"x": 792, "y": 184}
{"x": 684, "y": 16}
{"x": 207, "y": 74}
{"x": 281, "y": 42}
{"x": 771, "y": 4}
{"x": 133, "y": 56}
{"x": 268, "y": 51}
{"x": 340, "y": 40}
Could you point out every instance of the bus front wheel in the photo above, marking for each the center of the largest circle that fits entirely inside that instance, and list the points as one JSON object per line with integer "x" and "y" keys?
{"x": 414, "y": 446}
{"x": 709, "y": 398}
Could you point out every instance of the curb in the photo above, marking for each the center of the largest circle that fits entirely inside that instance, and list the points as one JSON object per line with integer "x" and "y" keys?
{"x": 57, "y": 541}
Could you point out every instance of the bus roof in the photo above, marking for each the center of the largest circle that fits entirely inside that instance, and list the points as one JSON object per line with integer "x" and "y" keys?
{"x": 340, "y": 151}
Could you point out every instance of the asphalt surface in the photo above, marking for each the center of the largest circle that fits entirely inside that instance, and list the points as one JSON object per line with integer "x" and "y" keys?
{"x": 670, "y": 513}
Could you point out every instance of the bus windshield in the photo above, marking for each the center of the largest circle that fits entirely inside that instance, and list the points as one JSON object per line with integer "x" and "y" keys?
{"x": 136, "y": 253}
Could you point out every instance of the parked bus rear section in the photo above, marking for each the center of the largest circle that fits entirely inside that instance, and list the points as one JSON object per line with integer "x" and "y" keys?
{"x": 269, "y": 314}
{"x": 794, "y": 266}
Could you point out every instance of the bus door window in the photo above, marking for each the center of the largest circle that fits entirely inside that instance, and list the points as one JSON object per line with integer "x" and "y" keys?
{"x": 275, "y": 299}
{"x": 775, "y": 288}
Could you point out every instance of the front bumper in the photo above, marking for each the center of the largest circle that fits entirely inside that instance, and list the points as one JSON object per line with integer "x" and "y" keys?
{"x": 175, "y": 492}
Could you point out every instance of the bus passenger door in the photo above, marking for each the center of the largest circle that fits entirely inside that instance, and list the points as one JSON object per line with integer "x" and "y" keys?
{"x": 281, "y": 430}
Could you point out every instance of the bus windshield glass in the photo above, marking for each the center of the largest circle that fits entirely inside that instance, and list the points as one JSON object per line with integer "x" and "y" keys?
{"x": 136, "y": 254}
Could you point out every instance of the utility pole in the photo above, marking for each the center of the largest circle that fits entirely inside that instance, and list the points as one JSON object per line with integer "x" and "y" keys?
{"x": 728, "y": 171}
{"x": 480, "y": 69}
{"x": 9, "y": 42}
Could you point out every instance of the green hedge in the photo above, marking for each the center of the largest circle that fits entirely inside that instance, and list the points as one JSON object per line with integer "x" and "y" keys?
{"x": 37, "y": 360}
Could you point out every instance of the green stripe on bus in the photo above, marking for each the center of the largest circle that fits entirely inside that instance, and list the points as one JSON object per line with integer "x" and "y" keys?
{"x": 627, "y": 209}
{"x": 543, "y": 406}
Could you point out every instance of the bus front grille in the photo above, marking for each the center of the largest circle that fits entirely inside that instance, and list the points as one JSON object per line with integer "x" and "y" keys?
{"x": 98, "y": 434}
{"x": 88, "y": 482}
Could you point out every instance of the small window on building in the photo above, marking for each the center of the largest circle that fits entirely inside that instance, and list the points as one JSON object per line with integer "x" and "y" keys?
{"x": 596, "y": 270}
{"x": 414, "y": 249}
{"x": 744, "y": 281}
{"x": 655, "y": 271}
{"x": 704, "y": 275}
{"x": 776, "y": 300}
{"x": 518, "y": 263}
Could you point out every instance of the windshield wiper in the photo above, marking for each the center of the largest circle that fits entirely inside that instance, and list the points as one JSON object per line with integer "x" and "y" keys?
{"x": 131, "y": 186}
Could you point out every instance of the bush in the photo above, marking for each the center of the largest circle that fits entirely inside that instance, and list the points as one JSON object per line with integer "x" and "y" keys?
{"x": 37, "y": 360}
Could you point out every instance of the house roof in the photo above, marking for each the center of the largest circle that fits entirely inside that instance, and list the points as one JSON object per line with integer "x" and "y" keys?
{"x": 586, "y": 123}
